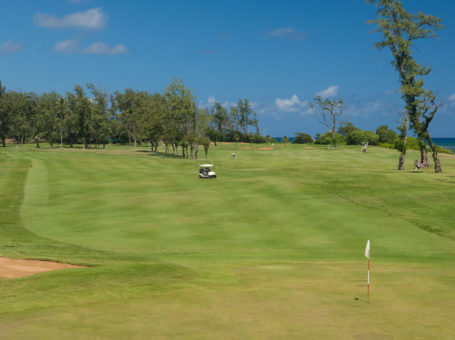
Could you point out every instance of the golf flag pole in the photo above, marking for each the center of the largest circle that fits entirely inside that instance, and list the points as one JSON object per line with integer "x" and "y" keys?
{"x": 367, "y": 255}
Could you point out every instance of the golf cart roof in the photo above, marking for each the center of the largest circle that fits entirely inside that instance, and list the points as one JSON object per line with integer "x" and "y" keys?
{"x": 206, "y": 165}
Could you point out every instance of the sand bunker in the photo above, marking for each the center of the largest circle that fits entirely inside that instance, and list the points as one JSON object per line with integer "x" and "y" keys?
{"x": 266, "y": 149}
{"x": 11, "y": 268}
{"x": 247, "y": 148}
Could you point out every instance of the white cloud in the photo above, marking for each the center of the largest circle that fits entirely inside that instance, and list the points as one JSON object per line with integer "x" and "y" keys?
{"x": 8, "y": 47}
{"x": 290, "y": 105}
{"x": 91, "y": 19}
{"x": 331, "y": 91}
{"x": 102, "y": 48}
{"x": 363, "y": 109}
{"x": 452, "y": 98}
{"x": 288, "y": 33}
{"x": 66, "y": 46}
{"x": 72, "y": 46}
{"x": 254, "y": 105}
{"x": 228, "y": 104}
{"x": 310, "y": 111}
{"x": 211, "y": 100}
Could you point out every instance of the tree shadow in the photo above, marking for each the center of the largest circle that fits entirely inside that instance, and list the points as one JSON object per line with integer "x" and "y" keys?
{"x": 161, "y": 154}
{"x": 445, "y": 180}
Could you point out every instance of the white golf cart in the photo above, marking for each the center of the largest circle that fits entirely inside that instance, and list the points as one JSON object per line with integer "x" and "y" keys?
{"x": 206, "y": 172}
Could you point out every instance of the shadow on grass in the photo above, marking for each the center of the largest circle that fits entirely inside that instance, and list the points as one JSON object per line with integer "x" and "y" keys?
{"x": 162, "y": 154}
{"x": 416, "y": 172}
{"x": 445, "y": 180}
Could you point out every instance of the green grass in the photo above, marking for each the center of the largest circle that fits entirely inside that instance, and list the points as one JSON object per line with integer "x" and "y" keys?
{"x": 272, "y": 248}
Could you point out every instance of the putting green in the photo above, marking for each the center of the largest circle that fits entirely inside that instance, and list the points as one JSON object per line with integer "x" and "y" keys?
{"x": 272, "y": 248}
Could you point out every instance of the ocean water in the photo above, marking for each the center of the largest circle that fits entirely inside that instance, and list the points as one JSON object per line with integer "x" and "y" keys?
{"x": 448, "y": 143}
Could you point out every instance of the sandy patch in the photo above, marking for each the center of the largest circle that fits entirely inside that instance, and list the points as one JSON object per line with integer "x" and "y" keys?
{"x": 266, "y": 149}
{"x": 11, "y": 268}
{"x": 247, "y": 148}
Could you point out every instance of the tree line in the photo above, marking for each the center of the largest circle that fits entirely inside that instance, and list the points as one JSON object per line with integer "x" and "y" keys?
{"x": 91, "y": 117}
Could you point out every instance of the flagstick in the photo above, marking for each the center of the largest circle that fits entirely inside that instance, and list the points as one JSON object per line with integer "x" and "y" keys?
{"x": 368, "y": 297}
{"x": 367, "y": 255}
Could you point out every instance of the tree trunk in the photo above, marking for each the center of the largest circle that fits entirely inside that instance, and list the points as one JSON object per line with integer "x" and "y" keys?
{"x": 3, "y": 141}
{"x": 37, "y": 142}
{"x": 156, "y": 146}
{"x": 423, "y": 154}
{"x": 196, "y": 151}
{"x": 403, "y": 153}
{"x": 187, "y": 153}
{"x": 183, "y": 151}
{"x": 192, "y": 150}
{"x": 404, "y": 140}
{"x": 61, "y": 134}
{"x": 437, "y": 162}
{"x": 332, "y": 134}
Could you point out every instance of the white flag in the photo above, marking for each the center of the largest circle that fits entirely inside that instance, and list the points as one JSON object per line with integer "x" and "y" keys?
{"x": 367, "y": 250}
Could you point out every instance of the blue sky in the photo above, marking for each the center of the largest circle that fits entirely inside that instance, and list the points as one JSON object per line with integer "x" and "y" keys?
{"x": 278, "y": 54}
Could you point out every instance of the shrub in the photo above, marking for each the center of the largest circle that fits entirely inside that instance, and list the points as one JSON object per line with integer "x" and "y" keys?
{"x": 387, "y": 145}
{"x": 386, "y": 135}
{"x": 270, "y": 139}
{"x": 302, "y": 138}
{"x": 258, "y": 139}
{"x": 326, "y": 138}
{"x": 358, "y": 137}
{"x": 411, "y": 144}
{"x": 440, "y": 149}
{"x": 346, "y": 128}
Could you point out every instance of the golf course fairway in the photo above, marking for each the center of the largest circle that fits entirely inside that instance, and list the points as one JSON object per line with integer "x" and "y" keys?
{"x": 270, "y": 249}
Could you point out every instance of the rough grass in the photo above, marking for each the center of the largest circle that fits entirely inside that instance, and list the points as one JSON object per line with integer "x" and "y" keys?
{"x": 270, "y": 249}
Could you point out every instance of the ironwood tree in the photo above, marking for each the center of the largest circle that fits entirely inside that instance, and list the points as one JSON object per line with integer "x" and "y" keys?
{"x": 400, "y": 31}
{"x": 330, "y": 111}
